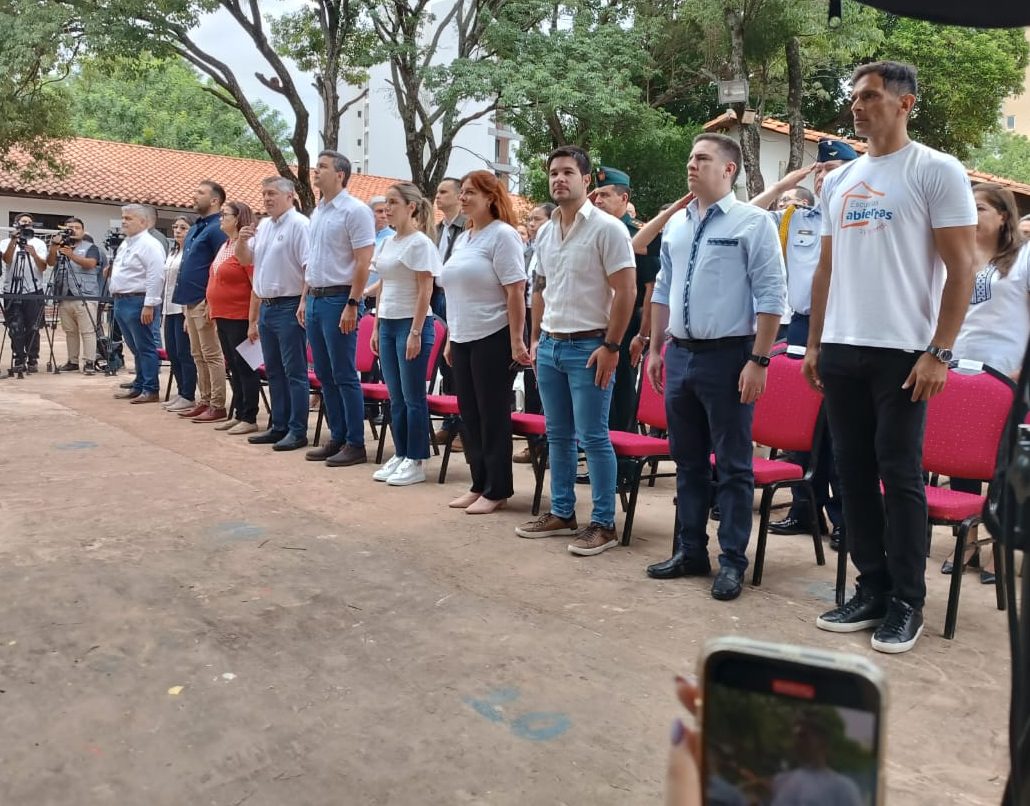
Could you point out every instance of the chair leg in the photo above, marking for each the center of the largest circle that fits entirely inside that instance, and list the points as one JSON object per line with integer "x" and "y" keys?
{"x": 446, "y": 458}
{"x": 654, "y": 473}
{"x": 951, "y": 616}
{"x": 318, "y": 422}
{"x": 842, "y": 567}
{"x": 538, "y": 461}
{"x": 168, "y": 386}
{"x": 817, "y": 538}
{"x": 382, "y": 433}
{"x": 999, "y": 576}
{"x": 763, "y": 532}
{"x": 631, "y": 506}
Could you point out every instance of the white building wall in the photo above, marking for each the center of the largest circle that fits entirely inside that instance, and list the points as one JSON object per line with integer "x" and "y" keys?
{"x": 99, "y": 218}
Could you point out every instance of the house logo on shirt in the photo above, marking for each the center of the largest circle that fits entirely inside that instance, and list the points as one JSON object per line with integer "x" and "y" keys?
{"x": 864, "y": 206}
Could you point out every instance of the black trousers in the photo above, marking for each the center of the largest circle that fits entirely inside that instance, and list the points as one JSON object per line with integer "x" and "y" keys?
{"x": 878, "y": 436}
{"x": 622, "y": 416}
{"x": 532, "y": 403}
{"x": 244, "y": 381}
{"x": 23, "y": 316}
{"x": 482, "y": 379}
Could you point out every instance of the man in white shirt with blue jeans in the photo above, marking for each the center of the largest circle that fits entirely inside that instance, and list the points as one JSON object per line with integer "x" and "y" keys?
{"x": 893, "y": 284}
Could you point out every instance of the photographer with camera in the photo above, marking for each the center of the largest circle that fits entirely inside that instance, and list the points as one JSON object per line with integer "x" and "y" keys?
{"x": 76, "y": 287}
{"x": 24, "y": 261}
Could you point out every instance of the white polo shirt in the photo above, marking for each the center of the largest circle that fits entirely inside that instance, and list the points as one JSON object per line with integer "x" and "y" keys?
{"x": 280, "y": 249}
{"x": 338, "y": 227}
{"x": 577, "y": 296}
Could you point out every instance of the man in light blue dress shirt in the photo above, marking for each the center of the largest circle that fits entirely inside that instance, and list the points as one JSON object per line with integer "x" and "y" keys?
{"x": 718, "y": 300}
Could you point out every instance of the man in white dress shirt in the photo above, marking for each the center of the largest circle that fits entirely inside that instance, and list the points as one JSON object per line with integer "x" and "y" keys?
{"x": 137, "y": 284}
{"x": 342, "y": 237}
{"x": 278, "y": 250}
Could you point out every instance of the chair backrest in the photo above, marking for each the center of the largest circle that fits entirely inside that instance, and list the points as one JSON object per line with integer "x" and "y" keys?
{"x": 650, "y": 404}
{"x": 964, "y": 424}
{"x": 364, "y": 358}
{"x": 440, "y": 329}
{"x": 787, "y": 413}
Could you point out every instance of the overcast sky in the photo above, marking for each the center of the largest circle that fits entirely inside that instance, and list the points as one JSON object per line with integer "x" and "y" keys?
{"x": 222, "y": 37}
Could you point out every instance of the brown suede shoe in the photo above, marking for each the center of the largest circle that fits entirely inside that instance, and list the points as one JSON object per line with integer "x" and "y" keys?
{"x": 348, "y": 455}
{"x": 146, "y": 397}
{"x": 593, "y": 540}
{"x": 549, "y": 525}
{"x": 196, "y": 411}
{"x": 211, "y": 416}
{"x": 522, "y": 457}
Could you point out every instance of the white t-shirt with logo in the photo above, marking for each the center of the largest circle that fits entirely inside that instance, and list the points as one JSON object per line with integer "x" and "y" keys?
{"x": 997, "y": 324}
{"x": 887, "y": 278}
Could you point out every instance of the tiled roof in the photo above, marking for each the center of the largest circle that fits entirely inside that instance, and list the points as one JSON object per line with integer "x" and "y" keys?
{"x": 729, "y": 119}
{"x": 106, "y": 171}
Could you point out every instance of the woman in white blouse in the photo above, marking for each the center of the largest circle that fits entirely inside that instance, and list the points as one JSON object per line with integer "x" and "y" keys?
{"x": 177, "y": 341}
{"x": 485, "y": 281}
{"x": 997, "y": 324}
{"x": 403, "y": 335}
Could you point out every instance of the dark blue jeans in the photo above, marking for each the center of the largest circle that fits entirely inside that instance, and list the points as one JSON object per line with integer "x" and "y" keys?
{"x": 333, "y": 353}
{"x": 142, "y": 342}
{"x": 705, "y": 414}
{"x": 824, "y": 479}
{"x": 284, "y": 347}
{"x": 177, "y": 345}
{"x": 878, "y": 435}
{"x": 406, "y": 380}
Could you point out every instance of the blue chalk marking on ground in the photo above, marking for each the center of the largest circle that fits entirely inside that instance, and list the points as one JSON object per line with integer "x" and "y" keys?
{"x": 536, "y": 726}
{"x": 487, "y": 706}
{"x": 240, "y": 529}
{"x": 79, "y": 445}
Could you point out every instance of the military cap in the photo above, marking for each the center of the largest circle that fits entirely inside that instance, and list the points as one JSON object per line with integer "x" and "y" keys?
{"x": 610, "y": 176}
{"x": 831, "y": 149}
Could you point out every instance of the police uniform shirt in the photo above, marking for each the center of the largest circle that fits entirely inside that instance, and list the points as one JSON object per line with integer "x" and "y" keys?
{"x": 31, "y": 281}
{"x": 802, "y": 254}
{"x": 719, "y": 271}
{"x": 648, "y": 264}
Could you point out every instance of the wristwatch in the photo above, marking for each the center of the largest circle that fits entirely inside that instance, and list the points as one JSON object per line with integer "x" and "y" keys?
{"x": 352, "y": 303}
{"x": 942, "y": 354}
{"x": 612, "y": 346}
{"x": 761, "y": 360}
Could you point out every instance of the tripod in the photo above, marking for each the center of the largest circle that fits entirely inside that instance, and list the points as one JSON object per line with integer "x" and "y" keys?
{"x": 65, "y": 286}
{"x": 24, "y": 308}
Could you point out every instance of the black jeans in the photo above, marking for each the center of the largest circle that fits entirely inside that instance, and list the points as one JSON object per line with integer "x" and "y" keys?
{"x": 244, "y": 381}
{"x": 878, "y": 436}
{"x": 483, "y": 378}
{"x": 702, "y": 404}
{"x": 23, "y": 316}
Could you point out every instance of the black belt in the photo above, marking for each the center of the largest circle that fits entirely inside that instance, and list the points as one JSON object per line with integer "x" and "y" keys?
{"x": 582, "y": 334}
{"x": 127, "y": 296}
{"x": 700, "y": 345}
{"x": 330, "y": 291}
{"x": 280, "y": 300}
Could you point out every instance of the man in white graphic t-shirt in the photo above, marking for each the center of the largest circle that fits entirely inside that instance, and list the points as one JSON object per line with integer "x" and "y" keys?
{"x": 893, "y": 283}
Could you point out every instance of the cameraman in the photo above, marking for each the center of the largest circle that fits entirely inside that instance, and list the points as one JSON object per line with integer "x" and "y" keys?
{"x": 77, "y": 291}
{"x": 23, "y": 314}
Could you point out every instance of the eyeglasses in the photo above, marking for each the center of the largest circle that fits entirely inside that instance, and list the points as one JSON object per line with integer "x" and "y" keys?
{"x": 228, "y": 213}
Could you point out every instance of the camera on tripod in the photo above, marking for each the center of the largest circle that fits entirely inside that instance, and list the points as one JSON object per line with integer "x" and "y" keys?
{"x": 113, "y": 240}
{"x": 24, "y": 233}
{"x": 63, "y": 236}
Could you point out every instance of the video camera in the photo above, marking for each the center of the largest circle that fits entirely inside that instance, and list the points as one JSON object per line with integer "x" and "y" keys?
{"x": 113, "y": 240}
{"x": 23, "y": 233}
{"x": 63, "y": 236}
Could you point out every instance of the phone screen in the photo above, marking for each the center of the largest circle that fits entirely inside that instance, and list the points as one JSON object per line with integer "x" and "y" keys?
{"x": 786, "y": 734}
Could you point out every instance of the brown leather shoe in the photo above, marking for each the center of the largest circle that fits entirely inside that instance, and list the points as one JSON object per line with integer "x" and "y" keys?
{"x": 197, "y": 410}
{"x": 456, "y": 446}
{"x": 522, "y": 457}
{"x": 146, "y": 397}
{"x": 211, "y": 416}
{"x": 348, "y": 455}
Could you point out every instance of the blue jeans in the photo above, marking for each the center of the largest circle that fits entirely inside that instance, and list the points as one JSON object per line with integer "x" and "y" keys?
{"x": 333, "y": 354}
{"x": 406, "y": 380}
{"x": 702, "y": 404}
{"x": 286, "y": 364}
{"x": 576, "y": 409}
{"x": 177, "y": 345}
{"x": 141, "y": 340}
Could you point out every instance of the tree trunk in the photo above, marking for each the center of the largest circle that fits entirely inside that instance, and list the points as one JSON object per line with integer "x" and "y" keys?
{"x": 750, "y": 140}
{"x": 794, "y": 118}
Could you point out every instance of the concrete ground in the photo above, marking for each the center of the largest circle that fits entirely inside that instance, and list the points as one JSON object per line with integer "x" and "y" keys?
{"x": 189, "y": 619}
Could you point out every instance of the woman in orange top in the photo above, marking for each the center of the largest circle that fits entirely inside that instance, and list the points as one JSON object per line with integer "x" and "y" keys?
{"x": 228, "y": 304}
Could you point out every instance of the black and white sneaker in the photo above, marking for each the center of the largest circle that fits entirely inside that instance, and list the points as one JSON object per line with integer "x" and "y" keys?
{"x": 863, "y": 611}
{"x": 900, "y": 629}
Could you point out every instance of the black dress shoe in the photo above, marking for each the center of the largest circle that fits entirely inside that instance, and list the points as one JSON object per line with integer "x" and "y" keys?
{"x": 679, "y": 566}
{"x": 290, "y": 443}
{"x": 268, "y": 437}
{"x": 727, "y": 584}
{"x": 835, "y": 536}
{"x": 321, "y": 454}
{"x": 795, "y": 526}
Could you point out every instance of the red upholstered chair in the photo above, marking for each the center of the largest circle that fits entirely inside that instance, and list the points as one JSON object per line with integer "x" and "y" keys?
{"x": 533, "y": 427}
{"x": 788, "y": 417}
{"x": 964, "y": 425}
{"x": 442, "y": 406}
{"x": 316, "y": 390}
{"x": 162, "y": 358}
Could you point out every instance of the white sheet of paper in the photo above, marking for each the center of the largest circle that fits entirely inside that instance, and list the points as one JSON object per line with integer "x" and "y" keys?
{"x": 251, "y": 352}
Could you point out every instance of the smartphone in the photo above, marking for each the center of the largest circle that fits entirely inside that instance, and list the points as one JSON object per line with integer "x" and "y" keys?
{"x": 786, "y": 725}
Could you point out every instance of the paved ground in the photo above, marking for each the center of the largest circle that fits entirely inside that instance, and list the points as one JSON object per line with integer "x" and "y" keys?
{"x": 188, "y": 619}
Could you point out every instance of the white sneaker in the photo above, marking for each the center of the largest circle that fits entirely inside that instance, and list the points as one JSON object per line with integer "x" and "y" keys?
{"x": 182, "y": 405}
{"x": 388, "y": 469}
{"x": 169, "y": 403}
{"x": 411, "y": 471}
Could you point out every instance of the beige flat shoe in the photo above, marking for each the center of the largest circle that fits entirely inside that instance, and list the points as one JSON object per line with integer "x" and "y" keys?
{"x": 227, "y": 425}
{"x": 484, "y": 506}
{"x": 463, "y": 501}
{"x": 243, "y": 428}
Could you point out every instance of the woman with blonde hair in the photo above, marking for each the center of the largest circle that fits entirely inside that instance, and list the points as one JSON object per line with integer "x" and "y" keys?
{"x": 404, "y": 332}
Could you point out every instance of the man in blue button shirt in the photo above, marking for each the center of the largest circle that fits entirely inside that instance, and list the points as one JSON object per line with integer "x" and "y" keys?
{"x": 718, "y": 300}
{"x": 198, "y": 252}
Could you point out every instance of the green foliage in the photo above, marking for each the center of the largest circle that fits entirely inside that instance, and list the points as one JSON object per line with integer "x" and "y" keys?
{"x": 162, "y": 102}
{"x": 1003, "y": 154}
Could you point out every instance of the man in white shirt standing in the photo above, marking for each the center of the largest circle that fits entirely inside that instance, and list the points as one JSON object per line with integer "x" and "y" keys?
{"x": 24, "y": 261}
{"x": 137, "y": 284}
{"x": 278, "y": 250}
{"x": 341, "y": 238}
{"x": 893, "y": 284}
{"x": 583, "y": 295}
